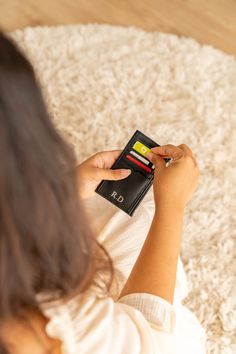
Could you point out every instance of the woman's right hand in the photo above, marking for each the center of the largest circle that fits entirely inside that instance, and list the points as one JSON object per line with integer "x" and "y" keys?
{"x": 175, "y": 184}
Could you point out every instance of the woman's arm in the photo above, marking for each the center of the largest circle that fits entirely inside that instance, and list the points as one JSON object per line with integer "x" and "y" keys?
{"x": 155, "y": 269}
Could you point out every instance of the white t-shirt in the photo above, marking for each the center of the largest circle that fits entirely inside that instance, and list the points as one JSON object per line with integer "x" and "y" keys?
{"x": 138, "y": 323}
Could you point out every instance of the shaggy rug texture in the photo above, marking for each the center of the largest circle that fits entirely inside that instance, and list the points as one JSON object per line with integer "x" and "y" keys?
{"x": 103, "y": 82}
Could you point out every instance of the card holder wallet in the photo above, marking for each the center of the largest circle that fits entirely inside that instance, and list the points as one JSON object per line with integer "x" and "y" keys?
{"x": 127, "y": 193}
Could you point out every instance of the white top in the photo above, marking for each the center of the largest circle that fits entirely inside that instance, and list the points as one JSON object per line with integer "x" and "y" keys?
{"x": 137, "y": 323}
{"x": 92, "y": 324}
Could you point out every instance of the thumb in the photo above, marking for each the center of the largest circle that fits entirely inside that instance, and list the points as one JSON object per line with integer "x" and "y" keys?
{"x": 113, "y": 175}
{"x": 158, "y": 162}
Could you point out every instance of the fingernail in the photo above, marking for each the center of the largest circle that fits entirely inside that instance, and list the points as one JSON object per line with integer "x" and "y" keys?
{"x": 125, "y": 172}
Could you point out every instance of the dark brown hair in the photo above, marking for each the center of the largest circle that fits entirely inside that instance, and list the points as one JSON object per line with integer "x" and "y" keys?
{"x": 46, "y": 245}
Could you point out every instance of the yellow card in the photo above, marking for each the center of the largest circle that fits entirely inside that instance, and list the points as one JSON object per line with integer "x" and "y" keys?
{"x": 141, "y": 148}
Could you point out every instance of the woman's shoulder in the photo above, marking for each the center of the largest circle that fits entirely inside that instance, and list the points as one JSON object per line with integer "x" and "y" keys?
{"x": 95, "y": 323}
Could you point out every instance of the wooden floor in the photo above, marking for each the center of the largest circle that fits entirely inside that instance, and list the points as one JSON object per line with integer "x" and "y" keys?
{"x": 208, "y": 21}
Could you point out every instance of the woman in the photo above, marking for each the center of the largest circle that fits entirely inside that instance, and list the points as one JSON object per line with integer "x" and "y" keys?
{"x": 57, "y": 282}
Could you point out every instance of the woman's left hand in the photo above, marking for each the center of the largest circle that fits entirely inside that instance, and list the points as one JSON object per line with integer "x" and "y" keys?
{"x": 96, "y": 168}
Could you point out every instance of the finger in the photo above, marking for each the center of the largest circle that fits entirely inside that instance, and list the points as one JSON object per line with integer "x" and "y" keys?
{"x": 188, "y": 152}
{"x": 105, "y": 159}
{"x": 158, "y": 161}
{"x": 186, "y": 149}
{"x": 169, "y": 150}
{"x": 194, "y": 160}
{"x": 112, "y": 175}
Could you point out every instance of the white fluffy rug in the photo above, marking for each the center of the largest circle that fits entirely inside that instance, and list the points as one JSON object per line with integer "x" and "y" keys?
{"x": 104, "y": 82}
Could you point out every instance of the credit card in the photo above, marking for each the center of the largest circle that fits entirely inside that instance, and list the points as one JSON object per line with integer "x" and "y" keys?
{"x": 141, "y": 148}
{"x": 138, "y": 163}
{"x": 139, "y": 157}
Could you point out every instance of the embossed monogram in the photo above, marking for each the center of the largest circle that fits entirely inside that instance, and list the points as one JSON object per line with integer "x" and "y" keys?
{"x": 119, "y": 198}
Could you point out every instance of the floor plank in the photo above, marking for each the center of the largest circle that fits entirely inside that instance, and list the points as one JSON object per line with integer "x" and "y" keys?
{"x": 211, "y": 21}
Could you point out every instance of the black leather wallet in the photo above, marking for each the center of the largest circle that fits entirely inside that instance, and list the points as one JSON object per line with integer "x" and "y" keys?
{"x": 127, "y": 193}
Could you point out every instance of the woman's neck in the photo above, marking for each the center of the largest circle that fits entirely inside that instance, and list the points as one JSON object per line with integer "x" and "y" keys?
{"x": 28, "y": 336}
